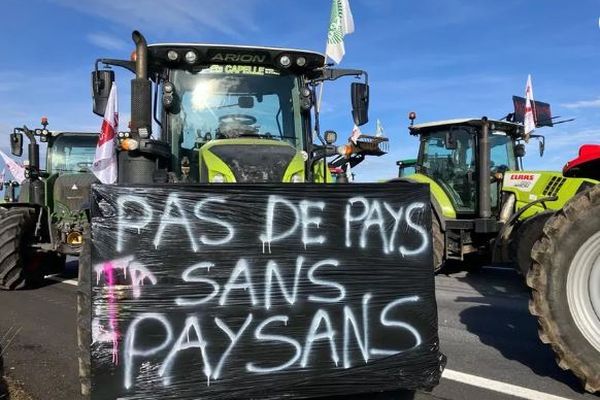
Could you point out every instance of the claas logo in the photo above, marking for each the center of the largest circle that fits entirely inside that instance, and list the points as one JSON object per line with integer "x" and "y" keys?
{"x": 522, "y": 177}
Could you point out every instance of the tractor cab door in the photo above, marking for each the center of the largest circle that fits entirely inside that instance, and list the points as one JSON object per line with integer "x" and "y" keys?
{"x": 448, "y": 157}
{"x": 502, "y": 159}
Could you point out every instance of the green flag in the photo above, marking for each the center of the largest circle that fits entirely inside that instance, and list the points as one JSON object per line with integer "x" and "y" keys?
{"x": 341, "y": 24}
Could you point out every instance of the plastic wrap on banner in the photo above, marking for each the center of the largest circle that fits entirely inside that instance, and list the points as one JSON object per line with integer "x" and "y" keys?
{"x": 261, "y": 291}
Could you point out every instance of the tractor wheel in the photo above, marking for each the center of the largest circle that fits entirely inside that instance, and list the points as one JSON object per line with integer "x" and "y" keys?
{"x": 438, "y": 244}
{"x": 565, "y": 278}
{"x": 19, "y": 266}
{"x": 84, "y": 316}
{"x": 527, "y": 234}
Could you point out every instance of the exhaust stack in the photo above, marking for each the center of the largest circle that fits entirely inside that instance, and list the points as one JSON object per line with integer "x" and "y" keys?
{"x": 140, "y": 165}
{"x": 485, "y": 207}
{"x": 141, "y": 91}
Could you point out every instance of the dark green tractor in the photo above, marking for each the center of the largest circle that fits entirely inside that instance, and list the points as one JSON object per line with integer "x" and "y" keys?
{"x": 46, "y": 222}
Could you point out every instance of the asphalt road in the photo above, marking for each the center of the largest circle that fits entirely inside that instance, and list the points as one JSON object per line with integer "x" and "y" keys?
{"x": 485, "y": 330}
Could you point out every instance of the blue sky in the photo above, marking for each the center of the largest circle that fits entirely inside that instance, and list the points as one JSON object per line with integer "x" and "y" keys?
{"x": 442, "y": 59}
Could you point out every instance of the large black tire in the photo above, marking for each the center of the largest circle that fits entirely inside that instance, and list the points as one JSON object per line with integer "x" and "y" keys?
{"x": 439, "y": 244}
{"x": 526, "y": 235}
{"x": 565, "y": 236}
{"x": 84, "y": 316}
{"x": 18, "y": 265}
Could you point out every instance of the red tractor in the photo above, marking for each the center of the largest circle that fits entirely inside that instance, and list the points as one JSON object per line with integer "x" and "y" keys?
{"x": 586, "y": 165}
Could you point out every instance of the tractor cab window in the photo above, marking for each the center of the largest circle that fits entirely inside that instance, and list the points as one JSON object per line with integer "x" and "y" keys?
{"x": 451, "y": 165}
{"x": 502, "y": 152}
{"x": 230, "y": 102}
{"x": 72, "y": 153}
{"x": 502, "y": 158}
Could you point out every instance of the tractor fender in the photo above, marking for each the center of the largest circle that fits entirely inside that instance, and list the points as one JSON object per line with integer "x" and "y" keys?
{"x": 435, "y": 205}
{"x": 42, "y": 216}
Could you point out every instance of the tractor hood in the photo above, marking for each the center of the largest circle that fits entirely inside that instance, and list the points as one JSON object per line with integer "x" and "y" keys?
{"x": 250, "y": 160}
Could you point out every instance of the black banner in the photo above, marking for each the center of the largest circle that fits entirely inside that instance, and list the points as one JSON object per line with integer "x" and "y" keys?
{"x": 261, "y": 291}
{"x": 542, "y": 112}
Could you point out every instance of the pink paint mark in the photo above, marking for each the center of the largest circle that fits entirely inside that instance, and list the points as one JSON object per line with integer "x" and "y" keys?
{"x": 113, "y": 311}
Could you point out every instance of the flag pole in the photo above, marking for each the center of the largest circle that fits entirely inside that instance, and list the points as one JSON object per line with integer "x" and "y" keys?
{"x": 322, "y": 84}
{"x": 535, "y": 118}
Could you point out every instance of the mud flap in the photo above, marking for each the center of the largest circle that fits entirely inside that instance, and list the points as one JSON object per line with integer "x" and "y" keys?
{"x": 262, "y": 291}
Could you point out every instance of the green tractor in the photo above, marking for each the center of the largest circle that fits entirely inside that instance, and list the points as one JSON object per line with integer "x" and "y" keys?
{"x": 489, "y": 209}
{"x": 225, "y": 114}
{"x": 228, "y": 114}
{"x": 45, "y": 222}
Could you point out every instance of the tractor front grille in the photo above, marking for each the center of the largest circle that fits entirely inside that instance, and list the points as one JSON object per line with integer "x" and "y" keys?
{"x": 553, "y": 187}
{"x": 73, "y": 190}
{"x": 256, "y": 163}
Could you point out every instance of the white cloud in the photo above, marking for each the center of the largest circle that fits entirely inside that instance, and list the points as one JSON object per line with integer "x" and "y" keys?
{"x": 583, "y": 104}
{"x": 107, "y": 41}
{"x": 230, "y": 17}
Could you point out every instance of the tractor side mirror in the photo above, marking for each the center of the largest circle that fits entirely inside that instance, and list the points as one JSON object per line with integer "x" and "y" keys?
{"x": 542, "y": 146}
{"x": 102, "y": 81}
{"x": 16, "y": 144}
{"x": 451, "y": 143}
{"x": 360, "y": 103}
{"x": 520, "y": 150}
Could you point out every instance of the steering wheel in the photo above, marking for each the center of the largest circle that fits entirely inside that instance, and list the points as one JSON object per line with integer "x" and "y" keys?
{"x": 242, "y": 119}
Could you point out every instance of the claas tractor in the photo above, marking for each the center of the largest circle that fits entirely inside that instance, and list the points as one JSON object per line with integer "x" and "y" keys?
{"x": 228, "y": 114}
{"x": 488, "y": 208}
{"x": 45, "y": 222}
{"x": 207, "y": 115}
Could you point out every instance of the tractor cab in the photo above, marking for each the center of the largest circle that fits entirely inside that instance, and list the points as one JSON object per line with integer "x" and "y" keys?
{"x": 66, "y": 177}
{"x": 406, "y": 167}
{"x": 449, "y": 153}
{"x": 59, "y": 190}
{"x": 479, "y": 189}
{"x": 228, "y": 114}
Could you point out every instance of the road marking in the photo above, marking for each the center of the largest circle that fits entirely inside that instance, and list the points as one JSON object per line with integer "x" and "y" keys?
{"x": 497, "y": 386}
{"x": 55, "y": 278}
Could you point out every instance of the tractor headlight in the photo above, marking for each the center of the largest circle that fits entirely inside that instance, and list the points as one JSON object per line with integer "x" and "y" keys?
{"x": 285, "y": 61}
{"x": 191, "y": 57}
{"x": 218, "y": 178}
{"x": 172, "y": 55}
{"x": 297, "y": 178}
{"x": 301, "y": 61}
{"x": 168, "y": 87}
{"x": 75, "y": 238}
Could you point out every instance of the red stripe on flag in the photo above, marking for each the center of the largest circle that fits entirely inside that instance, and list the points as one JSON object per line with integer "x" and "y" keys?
{"x": 107, "y": 133}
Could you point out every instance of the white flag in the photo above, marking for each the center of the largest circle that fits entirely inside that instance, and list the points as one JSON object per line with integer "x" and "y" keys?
{"x": 16, "y": 170}
{"x": 355, "y": 134}
{"x": 105, "y": 161}
{"x": 529, "y": 120}
{"x": 379, "y": 129}
{"x": 340, "y": 25}
{"x": 349, "y": 173}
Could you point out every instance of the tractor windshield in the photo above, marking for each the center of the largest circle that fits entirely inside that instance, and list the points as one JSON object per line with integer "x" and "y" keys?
{"x": 233, "y": 101}
{"x": 449, "y": 158}
{"x": 452, "y": 166}
{"x": 502, "y": 152}
{"x": 72, "y": 153}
